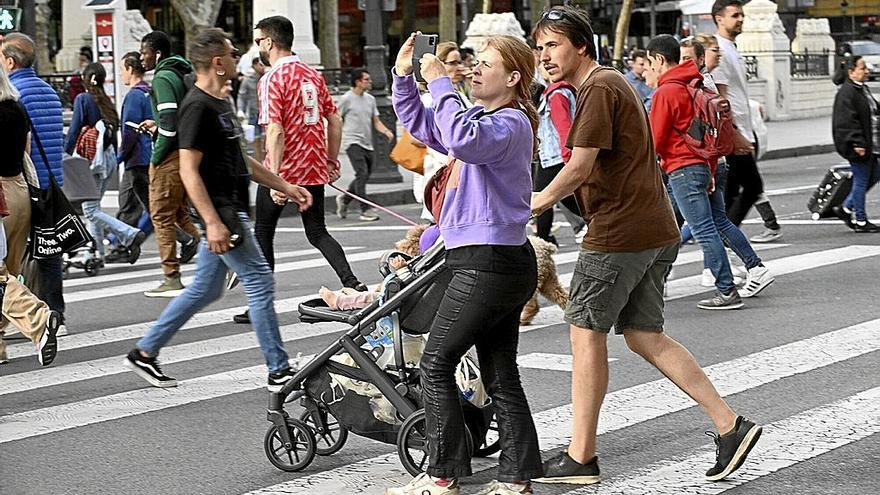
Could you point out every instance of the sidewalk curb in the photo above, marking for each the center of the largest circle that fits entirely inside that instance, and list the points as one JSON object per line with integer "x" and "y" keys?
{"x": 813, "y": 149}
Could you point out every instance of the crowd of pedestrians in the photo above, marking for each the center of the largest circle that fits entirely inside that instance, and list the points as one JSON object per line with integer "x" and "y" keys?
{"x": 520, "y": 129}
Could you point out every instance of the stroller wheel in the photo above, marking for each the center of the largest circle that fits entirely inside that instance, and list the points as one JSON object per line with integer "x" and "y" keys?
{"x": 412, "y": 443}
{"x": 302, "y": 450}
{"x": 331, "y": 436}
{"x": 491, "y": 442}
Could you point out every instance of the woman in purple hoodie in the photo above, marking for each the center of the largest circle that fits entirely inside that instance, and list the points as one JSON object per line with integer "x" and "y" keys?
{"x": 483, "y": 224}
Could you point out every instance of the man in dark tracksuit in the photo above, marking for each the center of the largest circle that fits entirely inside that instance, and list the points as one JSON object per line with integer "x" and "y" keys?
{"x": 167, "y": 194}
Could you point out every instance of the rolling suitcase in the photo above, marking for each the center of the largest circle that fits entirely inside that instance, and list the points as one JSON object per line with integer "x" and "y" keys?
{"x": 831, "y": 192}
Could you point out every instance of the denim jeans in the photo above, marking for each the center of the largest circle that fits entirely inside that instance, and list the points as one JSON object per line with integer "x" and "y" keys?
{"x": 362, "y": 162}
{"x": 864, "y": 176}
{"x": 98, "y": 220}
{"x": 247, "y": 261}
{"x": 479, "y": 308}
{"x": 732, "y": 236}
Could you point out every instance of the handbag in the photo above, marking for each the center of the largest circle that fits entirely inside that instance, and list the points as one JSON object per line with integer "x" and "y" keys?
{"x": 409, "y": 155}
{"x": 55, "y": 226}
{"x": 435, "y": 189}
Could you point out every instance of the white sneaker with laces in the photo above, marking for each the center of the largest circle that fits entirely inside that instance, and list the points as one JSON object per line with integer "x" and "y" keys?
{"x": 579, "y": 237}
{"x": 425, "y": 485}
{"x": 758, "y": 279}
{"x": 709, "y": 279}
{"x": 499, "y": 488}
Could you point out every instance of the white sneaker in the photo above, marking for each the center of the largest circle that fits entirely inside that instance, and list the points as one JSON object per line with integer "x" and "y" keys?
{"x": 499, "y": 488}
{"x": 709, "y": 279}
{"x": 758, "y": 279}
{"x": 424, "y": 485}
{"x": 62, "y": 330}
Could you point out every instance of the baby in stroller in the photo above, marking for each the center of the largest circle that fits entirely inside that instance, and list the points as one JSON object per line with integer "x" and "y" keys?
{"x": 368, "y": 383}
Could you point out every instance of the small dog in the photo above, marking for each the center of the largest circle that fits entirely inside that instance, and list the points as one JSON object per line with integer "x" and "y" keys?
{"x": 548, "y": 279}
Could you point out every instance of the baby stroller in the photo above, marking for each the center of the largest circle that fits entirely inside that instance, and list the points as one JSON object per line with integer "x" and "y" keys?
{"x": 394, "y": 414}
{"x": 79, "y": 186}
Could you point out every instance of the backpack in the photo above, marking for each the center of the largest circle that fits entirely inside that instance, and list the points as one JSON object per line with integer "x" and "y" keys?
{"x": 710, "y": 134}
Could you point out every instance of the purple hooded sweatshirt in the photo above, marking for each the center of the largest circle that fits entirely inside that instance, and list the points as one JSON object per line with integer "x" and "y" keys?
{"x": 492, "y": 201}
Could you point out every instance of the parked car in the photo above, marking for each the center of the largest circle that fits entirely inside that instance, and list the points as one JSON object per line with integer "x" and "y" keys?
{"x": 758, "y": 127}
{"x": 870, "y": 51}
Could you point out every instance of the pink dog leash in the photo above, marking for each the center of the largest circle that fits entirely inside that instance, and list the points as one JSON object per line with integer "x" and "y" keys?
{"x": 374, "y": 205}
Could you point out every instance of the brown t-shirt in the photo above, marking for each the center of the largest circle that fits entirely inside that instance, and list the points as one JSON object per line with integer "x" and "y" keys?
{"x": 623, "y": 197}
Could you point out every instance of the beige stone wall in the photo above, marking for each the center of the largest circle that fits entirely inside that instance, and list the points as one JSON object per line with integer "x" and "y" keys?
{"x": 811, "y": 97}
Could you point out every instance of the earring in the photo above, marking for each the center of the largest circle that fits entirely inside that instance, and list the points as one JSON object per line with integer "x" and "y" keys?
{"x": 221, "y": 73}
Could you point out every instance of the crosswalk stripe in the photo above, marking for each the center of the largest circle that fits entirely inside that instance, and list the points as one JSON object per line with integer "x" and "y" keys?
{"x": 548, "y": 361}
{"x": 783, "y": 444}
{"x": 153, "y": 270}
{"x": 89, "y": 295}
{"x": 624, "y": 408}
{"x": 678, "y": 288}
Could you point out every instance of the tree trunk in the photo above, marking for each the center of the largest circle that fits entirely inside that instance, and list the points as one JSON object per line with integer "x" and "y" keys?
{"x": 196, "y": 14}
{"x": 328, "y": 33}
{"x": 621, "y": 32}
{"x": 42, "y": 17}
{"x": 447, "y": 20}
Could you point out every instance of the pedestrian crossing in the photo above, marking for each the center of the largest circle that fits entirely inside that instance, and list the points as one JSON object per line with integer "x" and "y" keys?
{"x": 369, "y": 467}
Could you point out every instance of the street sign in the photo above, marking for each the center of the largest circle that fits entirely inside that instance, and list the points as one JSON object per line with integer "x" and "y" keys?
{"x": 10, "y": 19}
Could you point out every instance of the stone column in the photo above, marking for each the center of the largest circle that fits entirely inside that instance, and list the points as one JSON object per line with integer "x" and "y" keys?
{"x": 814, "y": 36}
{"x": 764, "y": 38}
{"x": 76, "y": 32}
{"x": 300, "y": 13}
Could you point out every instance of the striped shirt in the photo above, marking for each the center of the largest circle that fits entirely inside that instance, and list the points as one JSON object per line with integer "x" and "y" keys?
{"x": 295, "y": 95}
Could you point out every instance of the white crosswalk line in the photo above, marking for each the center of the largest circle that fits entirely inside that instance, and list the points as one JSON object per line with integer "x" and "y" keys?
{"x": 113, "y": 291}
{"x": 153, "y": 269}
{"x": 679, "y": 288}
{"x": 98, "y": 368}
{"x": 783, "y": 444}
{"x": 547, "y": 361}
{"x": 623, "y": 408}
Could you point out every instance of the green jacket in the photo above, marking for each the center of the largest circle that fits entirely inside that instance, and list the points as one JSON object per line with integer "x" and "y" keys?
{"x": 169, "y": 89}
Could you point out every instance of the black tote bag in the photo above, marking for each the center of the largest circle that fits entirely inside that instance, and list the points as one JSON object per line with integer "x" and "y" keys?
{"x": 55, "y": 226}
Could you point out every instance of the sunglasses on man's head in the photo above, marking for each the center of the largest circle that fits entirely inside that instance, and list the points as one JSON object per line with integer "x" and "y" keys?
{"x": 553, "y": 15}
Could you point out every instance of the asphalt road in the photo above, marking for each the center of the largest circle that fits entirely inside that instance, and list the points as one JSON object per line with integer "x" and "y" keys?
{"x": 801, "y": 358}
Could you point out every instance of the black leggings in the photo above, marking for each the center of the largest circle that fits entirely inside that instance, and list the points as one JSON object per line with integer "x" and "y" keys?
{"x": 268, "y": 214}
{"x": 543, "y": 178}
{"x": 479, "y": 308}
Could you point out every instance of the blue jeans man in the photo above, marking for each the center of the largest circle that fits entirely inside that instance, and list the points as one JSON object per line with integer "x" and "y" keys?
{"x": 248, "y": 262}
{"x": 706, "y": 215}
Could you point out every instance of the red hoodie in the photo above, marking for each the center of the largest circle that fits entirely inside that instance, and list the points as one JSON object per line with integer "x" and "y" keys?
{"x": 671, "y": 110}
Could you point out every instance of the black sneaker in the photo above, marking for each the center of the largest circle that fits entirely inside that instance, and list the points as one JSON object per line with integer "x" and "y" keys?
{"x": 564, "y": 469}
{"x": 844, "y": 216}
{"x": 731, "y": 449}
{"x": 118, "y": 255}
{"x": 866, "y": 228}
{"x": 148, "y": 369}
{"x": 47, "y": 347}
{"x": 242, "y": 318}
{"x": 189, "y": 250}
{"x": 134, "y": 249}
{"x": 361, "y": 287}
{"x": 279, "y": 378}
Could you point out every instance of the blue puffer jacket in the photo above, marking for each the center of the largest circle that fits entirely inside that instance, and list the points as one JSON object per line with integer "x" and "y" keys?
{"x": 44, "y": 109}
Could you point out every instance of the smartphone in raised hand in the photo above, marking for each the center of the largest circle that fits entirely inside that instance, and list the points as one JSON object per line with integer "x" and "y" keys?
{"x": 424, "y": 43}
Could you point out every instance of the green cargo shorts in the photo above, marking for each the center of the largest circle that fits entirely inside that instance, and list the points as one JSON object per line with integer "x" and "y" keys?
{"x": 620, "y": 290}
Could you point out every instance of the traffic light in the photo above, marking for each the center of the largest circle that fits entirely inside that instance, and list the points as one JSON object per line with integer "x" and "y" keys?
{"x": 10, "y": 19}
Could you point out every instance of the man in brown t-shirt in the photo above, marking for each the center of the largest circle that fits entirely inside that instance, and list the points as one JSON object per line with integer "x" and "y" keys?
{"x": 629, "y": 249}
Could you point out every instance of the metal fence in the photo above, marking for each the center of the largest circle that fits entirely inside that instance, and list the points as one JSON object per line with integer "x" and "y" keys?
{"x": 751, "y": 67}
{"x": 809, "y": 64}
{"x": 338, "y": 80}
{"x": 60, "y": 82}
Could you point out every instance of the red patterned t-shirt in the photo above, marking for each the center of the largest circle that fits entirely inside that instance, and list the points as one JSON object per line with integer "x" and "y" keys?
{"x": 295, "y": 95}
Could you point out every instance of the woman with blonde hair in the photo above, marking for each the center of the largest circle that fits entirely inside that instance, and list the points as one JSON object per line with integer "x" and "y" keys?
{"x": 485, "y": 209}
